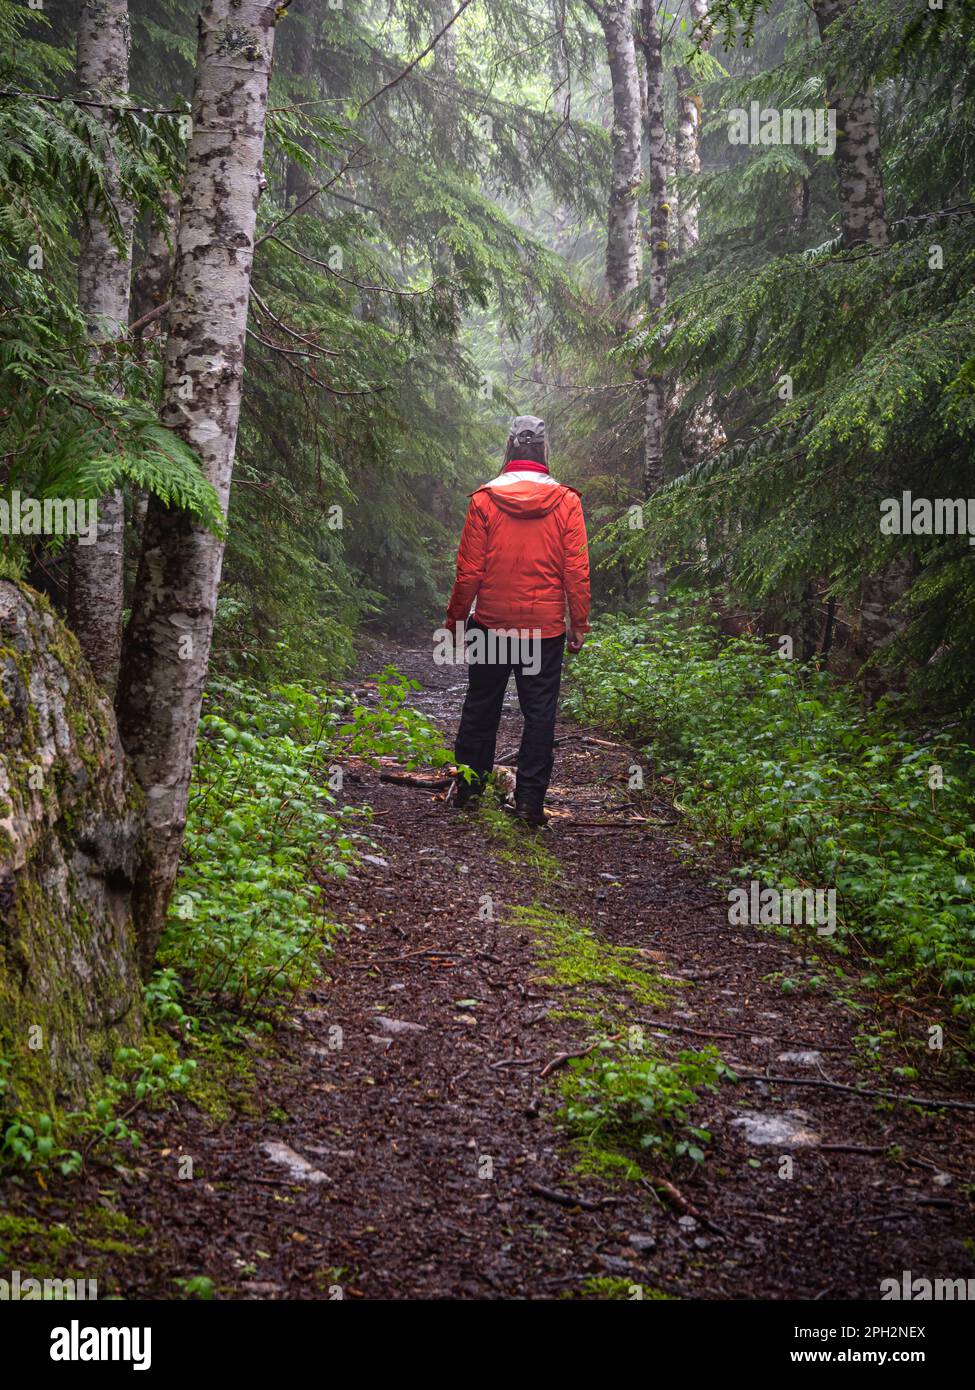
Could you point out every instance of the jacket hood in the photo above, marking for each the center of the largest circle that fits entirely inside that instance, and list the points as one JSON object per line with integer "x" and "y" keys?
{"x": 526, "y": 499}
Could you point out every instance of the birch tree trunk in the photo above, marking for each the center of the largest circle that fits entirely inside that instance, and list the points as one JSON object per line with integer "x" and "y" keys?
{"x": 104, "y": 270}
{"x": 167, "y": 644}
{"x": 857, "y": 157}
{"x": 864, "y": 219}
{"x": 623, "y": 239}
{"x": 689, "y": 135}
{"x": 702, "y": 433}
{"x": 655, "y": 388}
{"x": 152, "y": 285}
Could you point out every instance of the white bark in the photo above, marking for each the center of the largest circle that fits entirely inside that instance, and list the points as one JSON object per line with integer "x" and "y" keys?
{"x": 857, "y": 157}
{"x": 654, "y": 390}
{"x": 104, "y": 269}
{"x": 167, "y": 644}
{"x": 623, "y": 239}
{"x": 703, "y": 433}
{"x": 864, "y": 219}
{"x": 689, "y": 135}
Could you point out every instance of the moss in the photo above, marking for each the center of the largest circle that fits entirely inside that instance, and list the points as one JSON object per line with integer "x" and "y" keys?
{"x": 592, "y": 1161}
{"x": 225, "y": 1083}
{"x": 17, "y": 1232}
{"x": 520, "y": 846}
{"x": 61, "y": 1016}
{"x": 54, "y": 974}
{"x": 53, "y": 1249}
{"x": 573, "y": 956}
{"x": 115, "y": 1222}
{"x": 617, "y": 1288}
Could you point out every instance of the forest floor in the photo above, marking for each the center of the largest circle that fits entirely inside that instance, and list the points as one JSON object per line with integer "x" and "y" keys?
{"x": 420, "y": 1154}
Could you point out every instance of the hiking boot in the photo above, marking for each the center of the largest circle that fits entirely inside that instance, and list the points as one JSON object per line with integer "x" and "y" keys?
{"x": 467, "y": 795}
{"x": 531, "y": 815}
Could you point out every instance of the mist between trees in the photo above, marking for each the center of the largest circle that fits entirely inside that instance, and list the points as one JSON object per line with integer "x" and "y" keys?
{"x": 274, "y": 277}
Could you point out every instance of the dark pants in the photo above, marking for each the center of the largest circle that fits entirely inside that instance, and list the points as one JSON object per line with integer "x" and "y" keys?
{"x": 538, "y": 695}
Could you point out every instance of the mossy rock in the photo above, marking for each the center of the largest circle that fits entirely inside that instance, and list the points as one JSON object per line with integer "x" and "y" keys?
{"x": 70, "y": 822}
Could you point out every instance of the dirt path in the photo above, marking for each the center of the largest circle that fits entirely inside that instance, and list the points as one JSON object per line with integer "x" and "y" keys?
{"x": 436, "y": 1156}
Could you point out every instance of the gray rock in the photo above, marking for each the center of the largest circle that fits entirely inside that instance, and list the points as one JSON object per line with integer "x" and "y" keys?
{"x": 398, "y": 1025}
{"x": 787, "y": 1129}
{"x": 297, "y": 1166}
{"x": 642, "y": 1242}
{"x": 70, "y": 821}
{"x": 801, "y": 1059}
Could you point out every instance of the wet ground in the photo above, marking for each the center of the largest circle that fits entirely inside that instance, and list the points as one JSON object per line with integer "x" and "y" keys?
{"x": 405, "y": 1143}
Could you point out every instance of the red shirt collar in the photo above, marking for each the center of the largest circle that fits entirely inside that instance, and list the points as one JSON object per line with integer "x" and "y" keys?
{"x": 527, "y": 465}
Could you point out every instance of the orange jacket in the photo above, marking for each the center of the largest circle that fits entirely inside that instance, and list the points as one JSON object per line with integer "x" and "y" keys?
{"x": 523, "y": 555}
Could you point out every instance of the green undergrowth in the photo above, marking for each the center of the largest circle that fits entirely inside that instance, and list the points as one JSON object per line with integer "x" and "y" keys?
{"x": 268, "y": 833}
{"x": 265, "y": 834}
{"x": 249, "y": 923}
{"x": 140, "y": 1077}
{"x": 623, "y": 1106}
{"x": 623, "y": 1101}
{"x": 806, "y": 789}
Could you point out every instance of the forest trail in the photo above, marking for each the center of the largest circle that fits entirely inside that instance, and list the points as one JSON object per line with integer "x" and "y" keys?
{"x": 433, "y": 1158}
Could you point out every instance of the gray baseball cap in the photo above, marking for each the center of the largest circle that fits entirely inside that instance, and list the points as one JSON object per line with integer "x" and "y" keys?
{"x": 527, "y": 429}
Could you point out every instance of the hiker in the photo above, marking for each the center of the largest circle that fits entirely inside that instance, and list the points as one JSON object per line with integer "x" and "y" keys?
{"x": 523, "y": 558}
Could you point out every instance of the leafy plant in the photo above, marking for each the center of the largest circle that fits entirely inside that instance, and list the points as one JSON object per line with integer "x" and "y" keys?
{"x": 392, "y": 727}
{"x": 804, "y": 786}
{"x": 619, "y": 1099}
{"x": 265, "y": 833}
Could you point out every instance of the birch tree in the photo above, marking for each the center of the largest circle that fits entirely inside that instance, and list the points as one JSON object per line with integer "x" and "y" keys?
{"x": 689, "y": 132}
{"x": 702, "y": 431}
{"x": 623, "y": 257}
{"x": 654, "y": 386}
{"x": 104, "y": 270}
{"x": 857, "y": 157}
{"x": 167, "y": 644}
{"x": 863, "y": 217}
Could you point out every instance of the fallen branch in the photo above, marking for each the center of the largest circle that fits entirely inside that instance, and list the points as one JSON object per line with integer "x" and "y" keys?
{"x": 568, "y": 824}
{"x": 373, "y": 961}
{"x": 566, "y": 1199}
{"x": 853, "y": 1148}
{"x": 408, "y": 779}
{"x": 680, "y": 1201}
{"x": 772, "y": 1037}
{"x": 926, "y": 1101}
{"x": 563, "y": 1057}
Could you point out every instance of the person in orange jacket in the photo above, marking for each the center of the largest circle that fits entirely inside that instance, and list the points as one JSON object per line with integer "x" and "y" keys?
{"x": 523, "y": 560}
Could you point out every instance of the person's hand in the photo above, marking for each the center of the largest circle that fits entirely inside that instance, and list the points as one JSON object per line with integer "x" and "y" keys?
{"x": 576, "y": 640}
